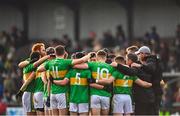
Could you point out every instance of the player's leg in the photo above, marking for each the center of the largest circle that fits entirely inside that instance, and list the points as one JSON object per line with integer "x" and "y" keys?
{"x": 117, "y": 104}
{"x": 95, "y": 105}
{"x": 128, "y": 105}
{"x": 46, "y": 107}
{"x": 27, "y": 103}
{"x": 105, "y": 105}
{"x": 38, "y": 103}
{"x": 73, "y": 109}
{"x": 83, "y": 109}
{"x": 73, "y": 114}
{"x": 62, "y": 103}
{"x": 55, "y": 112}
{"x": 53, "y": 105}
{"x": 46, "y": 112}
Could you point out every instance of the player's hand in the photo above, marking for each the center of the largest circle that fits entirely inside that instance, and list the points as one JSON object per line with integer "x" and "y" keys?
{"x": 48, "y": 101}
{"x": 114, "y": 64}
{"x": 91, "y": 80}
{"x": 135, "y": 65}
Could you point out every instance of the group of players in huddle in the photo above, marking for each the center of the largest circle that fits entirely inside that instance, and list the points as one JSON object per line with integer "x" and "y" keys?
{"x": 85, "y": 84}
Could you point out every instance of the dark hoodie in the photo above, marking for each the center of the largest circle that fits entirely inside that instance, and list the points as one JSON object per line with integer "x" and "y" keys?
{"x": 140, "y": 94}
{"x": 153, "y": 68}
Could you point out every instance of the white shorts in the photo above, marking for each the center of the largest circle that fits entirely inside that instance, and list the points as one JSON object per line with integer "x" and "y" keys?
{"x": 58, "y": 101}
{"x": 79, "y": 108}
{"x": 38, "y": 100}
{"x": 122, "y": 103}
{"x": 100, "y": 102}
{"x": 27, "y": 102}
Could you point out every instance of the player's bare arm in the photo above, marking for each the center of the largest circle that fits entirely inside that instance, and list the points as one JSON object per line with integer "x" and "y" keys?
{"x": 22, "y": 64}
{"x": 65, "y": 81}
{"x": 106, "y": 81}
{"x": 81, "y": 60}
{"x": 41, "y": 68}
{"x": 44, "y": 77}
{"x": 143, "y": 83}
{"x": 97, "y": 86}
{"x": 27, "y": 82}
{"x": 81, "y": 66}
{"x": 40, "y": 61}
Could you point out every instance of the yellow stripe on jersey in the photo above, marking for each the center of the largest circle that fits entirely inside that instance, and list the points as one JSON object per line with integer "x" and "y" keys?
{"x": 38, "y": 74}
{"x": 47, "y": 74}
{"x": 58, "y": 74}
{"x": 78, "y": 81}
{"x": 123, "y": 83}
{"x": 94, "y": 75}
{"x": 26, "y": 76}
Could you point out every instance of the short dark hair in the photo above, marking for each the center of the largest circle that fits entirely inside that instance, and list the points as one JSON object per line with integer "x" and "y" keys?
{"x": 34, "y": 56}
{"x": 79, "y": 55}
{"x": 50, "y": 50}
{"x": 132, "y": 57}
{"x": 60, "y": 50}
{"x": 101, "y": 54}
{"x": 119, "y": 59}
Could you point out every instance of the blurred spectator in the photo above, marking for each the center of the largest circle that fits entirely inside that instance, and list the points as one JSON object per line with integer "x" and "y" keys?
{"x": 154, "y": 38}
{"x": 120, "y": 36}
{"x": 1, "y": 85}
{"x": 9, "y": 86}
{"x": 172, "y": 63}
{"x": 108, "y": 40}
{"x": 164, "y": 54}
{"x": 4, "y": 37}
{"x": 91, "y": 39}
{"x": 167, "y": 97}
{"x": 17, "y": 78}
{"x": 3, "y": 107}
{"x": 67, "y": 41}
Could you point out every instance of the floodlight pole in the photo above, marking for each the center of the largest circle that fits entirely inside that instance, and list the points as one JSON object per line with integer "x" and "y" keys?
{"x": 25, "y": 16}
{"x": 128, "y": 5}
{"x": 74, "y": 5}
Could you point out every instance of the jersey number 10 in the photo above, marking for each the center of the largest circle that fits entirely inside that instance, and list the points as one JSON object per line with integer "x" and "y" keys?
{"x": 102, "y": 73}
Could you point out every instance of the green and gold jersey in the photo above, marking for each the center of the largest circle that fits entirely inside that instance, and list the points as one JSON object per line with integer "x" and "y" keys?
{"x": 26, "y": 73}
{"x": 123, "y": 83}
{"x": 58, "y": 68}
{"x": 79, "y": 87}
{"x": 39, "y": 85}
{"x": 100, "y": 70}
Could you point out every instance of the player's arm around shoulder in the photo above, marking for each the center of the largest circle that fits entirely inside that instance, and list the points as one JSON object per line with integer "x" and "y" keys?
{"x": 63, "y": 82}
{"x": 44, "y": 77}
{"x": 95, "y": 85}
{"x": 41, "y": 68}
{"x": 81, "y": 66}
{"x": 23, "y": 64}
{"x": 40, "y": 61}
{"x": 82, "y": 60}
{"x": 106, "y": 81}
{"x": 143, "y": 83}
